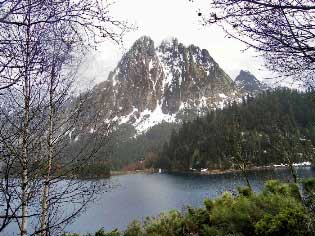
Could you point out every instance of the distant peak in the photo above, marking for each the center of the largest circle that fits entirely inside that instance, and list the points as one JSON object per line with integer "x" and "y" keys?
{"x": 249, "y": 82}
{"x": 245, "y": 75}
{"x": 245, "y": 72}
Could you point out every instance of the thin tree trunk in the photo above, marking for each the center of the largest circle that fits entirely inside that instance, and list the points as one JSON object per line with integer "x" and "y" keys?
{"x": 24, "y": 198}
{"x": 24, "y": 177}
{"x": 246, "y": 178}
{"x": 25, "y": 131}
{"x": 244, "y": 172}
{"x": 44, "y": 215}
{"x": 293, "y": 173}
{"x": 291, "y": 167}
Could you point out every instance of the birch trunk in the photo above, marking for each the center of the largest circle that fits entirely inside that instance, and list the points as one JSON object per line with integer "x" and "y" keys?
{"x": 44, "y": 214}
{"x": 25, "y": 131}
{"x": 24, "y": 159}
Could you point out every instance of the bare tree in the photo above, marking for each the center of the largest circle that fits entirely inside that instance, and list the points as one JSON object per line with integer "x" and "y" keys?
{"x": 239, "y": 155}
{"x": 89, "y": 19}
{"x": 281, "y": 31}
{"x": 67, "y": 116}
{"x": 37, "y": 41}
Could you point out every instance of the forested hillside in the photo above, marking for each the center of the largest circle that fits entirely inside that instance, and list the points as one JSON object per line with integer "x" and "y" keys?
{"x": 126, "y": 150}
{"x": 274, "y": 127}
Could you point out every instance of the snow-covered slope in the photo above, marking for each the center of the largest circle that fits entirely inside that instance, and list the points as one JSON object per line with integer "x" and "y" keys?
{"x": 155, "y": 84}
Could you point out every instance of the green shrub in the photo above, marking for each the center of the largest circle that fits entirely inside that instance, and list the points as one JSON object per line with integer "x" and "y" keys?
{"x": 195, "y": 219}
{"x": 211, "y": 231}
{"x": 167, "y": 224}
{"x": 309, "y": 185}
{"x": 208, "y": 204}
{"x": 101, "y": 232}
{"x": 245, "y": 191}
{"x": 134, "y": 229}
{"x": 288, "y": 222}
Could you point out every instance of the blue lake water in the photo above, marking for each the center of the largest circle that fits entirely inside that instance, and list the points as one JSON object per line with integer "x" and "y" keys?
{"x": 140, "y": 195}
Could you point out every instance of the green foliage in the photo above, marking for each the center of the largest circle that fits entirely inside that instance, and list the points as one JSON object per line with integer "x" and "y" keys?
{"x": 309, "y": 185}
{"x": 274, "y": 127}
{"x": 134, "y": 229}
{"x": 126, "y": 149}
{"x": 289, "y": 189}
{"x": 208, "y": 204}
{"x": 245, "y": 191}
{"x": 170, "y": 224}
{"x": 101, "y": 232}
{"x": 309, "y": 196}
{"x": 195, "y": 220}
{"x": 288, "y": 221}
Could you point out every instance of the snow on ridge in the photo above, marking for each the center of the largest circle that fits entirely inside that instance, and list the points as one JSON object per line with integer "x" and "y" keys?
{"x": 148, "y": 118}
{"x": 172, "y": 62}
{"x": 168, "y": 74}
{"x": 114, "y": 78}
{"x": 170, "y": 67}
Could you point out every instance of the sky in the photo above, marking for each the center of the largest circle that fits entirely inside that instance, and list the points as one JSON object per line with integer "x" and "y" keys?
{"x": 164, "y": 19}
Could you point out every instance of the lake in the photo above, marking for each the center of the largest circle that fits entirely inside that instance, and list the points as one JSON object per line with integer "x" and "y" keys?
{"x": 139, "y": 195}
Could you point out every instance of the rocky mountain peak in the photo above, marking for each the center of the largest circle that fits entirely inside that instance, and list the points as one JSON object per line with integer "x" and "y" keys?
{"x": 144, "y": 45}
{"x": 249, "y": 83}
{"x": 169, "y": 43}
{"x": 153, "y": 84}
{"x": 246, "y": 76}
{"x": 191, "y": 77}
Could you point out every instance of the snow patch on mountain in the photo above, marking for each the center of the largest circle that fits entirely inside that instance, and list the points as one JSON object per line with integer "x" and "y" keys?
{"x": 147, "y": 119}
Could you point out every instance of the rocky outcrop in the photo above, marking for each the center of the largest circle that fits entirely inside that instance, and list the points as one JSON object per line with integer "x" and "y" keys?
{"x": 249, "y": 83}
{"x": 152, "y": 84}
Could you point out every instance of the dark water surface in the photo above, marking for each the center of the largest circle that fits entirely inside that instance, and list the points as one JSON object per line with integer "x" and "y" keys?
{"x": 140, "y": 195}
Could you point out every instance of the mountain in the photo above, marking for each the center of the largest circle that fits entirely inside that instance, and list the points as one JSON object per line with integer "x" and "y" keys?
{"x": 149, "y": 93}
{"x": 168, "y": 83}
{"x": 249, "y": 83}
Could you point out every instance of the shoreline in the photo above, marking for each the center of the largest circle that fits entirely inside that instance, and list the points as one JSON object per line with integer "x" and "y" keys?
{"x": 209, "y": 172}
{"x": 224, "y": 171}
{"x": 122, "y": 172}
{"x": 252, "y": 168}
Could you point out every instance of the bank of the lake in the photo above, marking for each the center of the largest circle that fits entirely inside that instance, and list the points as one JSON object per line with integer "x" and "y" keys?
{"x": 122, "y": 172}
{"x": 210, "y": 171}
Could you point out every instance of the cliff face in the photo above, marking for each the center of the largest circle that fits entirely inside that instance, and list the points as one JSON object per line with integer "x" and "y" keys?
{"x": 249, "y": 83}
{"x": 192, "y": 78}
{"x": 153, "y": 84}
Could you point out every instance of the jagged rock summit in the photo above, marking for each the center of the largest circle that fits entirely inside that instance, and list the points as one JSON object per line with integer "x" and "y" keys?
{"x": 249, "y": 83}
{"x": 153, "y": 84}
